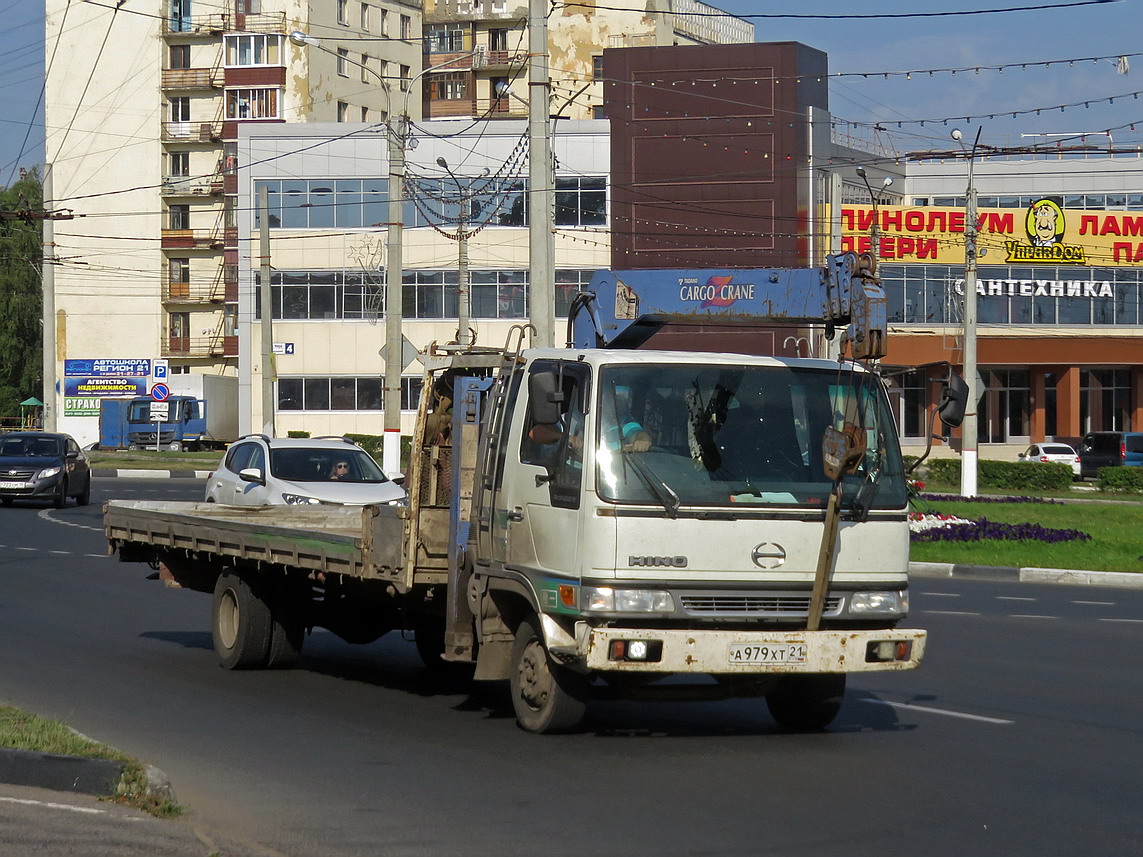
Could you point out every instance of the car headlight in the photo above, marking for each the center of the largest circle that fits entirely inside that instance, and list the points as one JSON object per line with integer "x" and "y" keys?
{"x": 49, "y": 471}
{"x": 300, "y": 500}
{"x": 605, "y": 599}
{"x": 879, "y": 603}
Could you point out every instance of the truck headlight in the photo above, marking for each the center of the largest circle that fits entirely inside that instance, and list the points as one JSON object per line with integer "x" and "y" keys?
{"x": 879, "y": 603}
{"x": 300, "y": 500}
{"x": 605, "y": 599}
{"x": 48, "y": 472}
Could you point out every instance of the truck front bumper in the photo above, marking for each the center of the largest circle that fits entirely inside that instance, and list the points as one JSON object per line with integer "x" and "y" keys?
{"x": 710, "y": 652}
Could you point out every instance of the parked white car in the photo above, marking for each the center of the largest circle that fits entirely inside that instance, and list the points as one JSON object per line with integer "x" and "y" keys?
{"x": 1056, "y": 453}
{"x": 262, "y": 471}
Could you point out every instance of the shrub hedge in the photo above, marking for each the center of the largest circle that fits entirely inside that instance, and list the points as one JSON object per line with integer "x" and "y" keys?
{"x": 1007, "y": 475}
{"x": 1128, "y": 480}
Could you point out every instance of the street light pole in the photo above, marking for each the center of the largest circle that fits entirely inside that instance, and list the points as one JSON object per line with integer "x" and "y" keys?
{"x": 969, "y": 428}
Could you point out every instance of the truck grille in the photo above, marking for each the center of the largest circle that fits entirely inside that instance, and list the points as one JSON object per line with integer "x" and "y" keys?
{"x": 754, "y": 605}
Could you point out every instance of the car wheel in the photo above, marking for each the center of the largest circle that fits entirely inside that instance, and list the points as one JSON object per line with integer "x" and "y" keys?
{"x": 84, "y": 497}
{"x": 7, "y": 501}
{"x": 60, "y": 499}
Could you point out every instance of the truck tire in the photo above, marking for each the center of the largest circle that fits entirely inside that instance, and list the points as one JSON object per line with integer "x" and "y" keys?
{"x": 241, "y": 625}
{"x": 806, "y": 703}
{"x": 287, "y": 625}
{"x": 547, "y": 697}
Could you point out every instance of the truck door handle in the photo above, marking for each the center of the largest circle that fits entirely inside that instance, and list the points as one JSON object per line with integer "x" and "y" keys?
{"x": 517, "y": 514}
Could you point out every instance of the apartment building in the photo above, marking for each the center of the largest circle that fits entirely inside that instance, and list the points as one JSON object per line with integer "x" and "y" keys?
{"x": 477, "y": 50}
{"x": 142, "y": 108}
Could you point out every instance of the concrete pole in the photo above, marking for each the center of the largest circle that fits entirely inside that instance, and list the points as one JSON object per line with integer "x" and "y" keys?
{"x": 394, "y": 276}
{"x": 541, "y": 181}
{"x": 268, "y": 404}
{"x": 48, "y": 315}
{"x": 968, "y": 428}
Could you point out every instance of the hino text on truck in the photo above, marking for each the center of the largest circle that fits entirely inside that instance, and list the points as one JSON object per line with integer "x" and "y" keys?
{"x": 593, "y": 519}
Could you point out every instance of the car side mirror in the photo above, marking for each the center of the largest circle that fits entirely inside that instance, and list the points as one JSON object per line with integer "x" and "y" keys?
{"x": 396, "y": 478}
{"x": 252, "y": 474}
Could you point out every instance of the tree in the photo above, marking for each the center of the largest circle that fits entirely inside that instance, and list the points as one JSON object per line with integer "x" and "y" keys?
{"x": 21, "y": 364}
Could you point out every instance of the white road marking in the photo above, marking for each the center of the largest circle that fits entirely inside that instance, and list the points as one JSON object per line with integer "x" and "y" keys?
{"x": 49, "y": 805}
{"x": 1030, "y": 616}
{"x": 46, "y": 514}
{"x": 1013, "y": 598}
{"x": 1096, "y": 603}
{"x": 952, "y": 612}
{"x": 1101, "y": 619}
{"x": 944, "y": 711}
{"x": 943, "y": 594}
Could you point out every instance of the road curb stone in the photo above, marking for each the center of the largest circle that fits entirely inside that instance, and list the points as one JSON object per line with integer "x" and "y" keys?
{"x": 1066, "y": 576}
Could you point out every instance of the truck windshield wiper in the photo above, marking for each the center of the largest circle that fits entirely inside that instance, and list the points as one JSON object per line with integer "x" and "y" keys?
{"x": 662, "y": 491}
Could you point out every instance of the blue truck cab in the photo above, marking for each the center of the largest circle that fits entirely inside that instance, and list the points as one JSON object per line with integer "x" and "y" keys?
{"x": 184, "y": 428}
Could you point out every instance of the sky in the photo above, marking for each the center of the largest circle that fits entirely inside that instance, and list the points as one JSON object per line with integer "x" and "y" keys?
{"x": 1051, "y": 32}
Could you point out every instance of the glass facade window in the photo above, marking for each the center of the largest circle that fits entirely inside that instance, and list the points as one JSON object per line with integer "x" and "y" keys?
{"x": 581, "y": 201}
{"x": 249, "y": 49}
{"x": 324, "y": 295}
{"x": 1105, "y": 399}
{"x": 314, "y": 204}
{"x": 342, "y": 394}
{"x": 252, "y": 103}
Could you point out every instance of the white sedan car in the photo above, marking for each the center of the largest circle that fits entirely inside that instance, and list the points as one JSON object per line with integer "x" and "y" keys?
{"x": 262, "y": 471}
{"x": 1056, "y": 453}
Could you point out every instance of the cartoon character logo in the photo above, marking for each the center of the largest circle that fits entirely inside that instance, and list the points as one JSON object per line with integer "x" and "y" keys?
{"x": 720, "y": 296}
{"x": 1044, "y": 223}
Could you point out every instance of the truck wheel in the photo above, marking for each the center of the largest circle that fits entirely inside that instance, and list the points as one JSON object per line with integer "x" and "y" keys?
{"x": 806, "y": 703}
{"x": 287, "y": 625}
{"x": 85, "y": 496}
{"x": 241, "y": 626}
{"x": 547, "y": 697}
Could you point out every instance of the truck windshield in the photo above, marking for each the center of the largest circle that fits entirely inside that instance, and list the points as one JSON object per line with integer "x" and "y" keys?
{"x": 709, "y": 435}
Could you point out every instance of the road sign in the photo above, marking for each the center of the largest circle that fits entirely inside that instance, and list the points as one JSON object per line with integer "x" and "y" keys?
{"x": 283, "y": 348}
{"x": 160, "y": 411}
{"x": 159, "y": 369}
{"x": 160, "y": 392}
{"x": 409, "y": 352}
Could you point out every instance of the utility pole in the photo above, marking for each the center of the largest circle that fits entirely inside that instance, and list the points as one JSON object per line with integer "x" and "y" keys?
{"x": 268, "y": 404}
{"x": 968, "y": 428}
{"x": 394, "y": 278}
{"x": 48, "y": 284}
{"x": 541, "y": 180}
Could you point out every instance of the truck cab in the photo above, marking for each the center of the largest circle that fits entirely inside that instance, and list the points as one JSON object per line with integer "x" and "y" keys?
{"x": 183, "y": 428}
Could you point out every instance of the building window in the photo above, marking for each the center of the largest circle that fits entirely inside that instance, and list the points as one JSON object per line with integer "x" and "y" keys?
{"x": 597, "y": 67}
{"x": 404, "y": 78}
{"x": 406, "y": 28}
{"x": 384, "y": 28}
{"x": 343, "y": 62}
{"x": 320, "y": 204}
{"x": 365, "y": 17}
{"x": 342, "y": 111}
{"x": 452, "y": 87}
{"x": 581, "y": 201}
{"x": 494, "y": 294}
{"x": 180, "y": 56}
{"x": 343, "y": 394}
{"x": 364, "y": 113}
{"x": 343, "y": 12}
{"x": 180, "y": 325}
{"x": 342, "y": 294}
{"x": 180, "y": 17}
{"x": 250, "y": 49}
{"x": 179, "y": 270}
{"x": 178, "y": 217}
{"x": 180, "y": 109}
{"x": 443, "y": 39}
{"x": 252, "y": 104}
{"x": 366, "y": 77}
{"x": 569, "y": 283}
{"x": 179, "y": 163}
{"x": 498, "y": 39}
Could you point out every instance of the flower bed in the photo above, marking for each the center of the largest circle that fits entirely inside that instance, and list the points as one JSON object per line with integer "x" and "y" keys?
{"x": 945, "y": 528}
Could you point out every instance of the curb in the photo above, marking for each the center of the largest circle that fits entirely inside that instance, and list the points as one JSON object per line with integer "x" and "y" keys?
{"x": 99, "y": 777}
{"x": 1065, "y": 576}
{"x": 151, "y": 474}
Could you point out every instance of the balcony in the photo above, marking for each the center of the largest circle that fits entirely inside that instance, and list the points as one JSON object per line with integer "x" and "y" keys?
{"x": 192, "y": 132}
{"x": 200, "y": 346}
{"x": 504, "y": 59}
{"x": 192, "y": 185}
{"x": 200, "y": 291}
{"x": 493, "y": 108}
{"x": 193, "y": 239}
{"x": 224, "y": 22}
{"x": 192, "y": 78}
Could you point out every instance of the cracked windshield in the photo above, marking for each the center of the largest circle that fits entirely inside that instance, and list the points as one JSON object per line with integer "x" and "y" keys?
{"x": 703, "y": 435}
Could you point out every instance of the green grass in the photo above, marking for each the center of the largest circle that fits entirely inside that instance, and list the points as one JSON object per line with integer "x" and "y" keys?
{"x": 141, "y": 459}
{"x": 1116, "y": 531}
{"x": 20, "y": 730}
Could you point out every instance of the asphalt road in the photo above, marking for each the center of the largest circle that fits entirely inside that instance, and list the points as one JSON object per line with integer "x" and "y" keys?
{"x": 1020, "y": 735}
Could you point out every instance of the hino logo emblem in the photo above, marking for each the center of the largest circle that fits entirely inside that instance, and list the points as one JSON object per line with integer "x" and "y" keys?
{"x": 657, "y": 561}
{"x": 768, "y": 555}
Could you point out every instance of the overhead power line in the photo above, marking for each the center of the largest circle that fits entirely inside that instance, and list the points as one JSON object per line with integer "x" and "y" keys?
{"x": 851, "y": 15}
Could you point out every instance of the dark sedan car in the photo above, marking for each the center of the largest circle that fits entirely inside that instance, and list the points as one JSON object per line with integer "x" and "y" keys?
{"x": 37, "y": 465}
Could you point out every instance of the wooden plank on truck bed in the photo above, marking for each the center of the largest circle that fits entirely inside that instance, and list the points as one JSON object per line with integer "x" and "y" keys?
{"x": 332, "y": 539}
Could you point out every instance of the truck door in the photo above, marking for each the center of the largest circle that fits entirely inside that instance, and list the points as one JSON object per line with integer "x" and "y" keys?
{"x": 536, "y": 522}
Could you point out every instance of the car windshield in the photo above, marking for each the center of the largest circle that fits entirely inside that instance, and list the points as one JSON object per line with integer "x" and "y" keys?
{"x": 303, "y": 464}
{"x": 708, "y": 435}
{"x": 30, "y": 447}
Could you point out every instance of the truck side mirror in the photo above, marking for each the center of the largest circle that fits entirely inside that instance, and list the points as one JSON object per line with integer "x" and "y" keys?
{"x": 954, "y": 400}
{"x": 544, "y": 398}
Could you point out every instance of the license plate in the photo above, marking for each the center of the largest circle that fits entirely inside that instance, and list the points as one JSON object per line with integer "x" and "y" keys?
{"x": 767, "y": 653}
{"x": 13, "y": 485}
